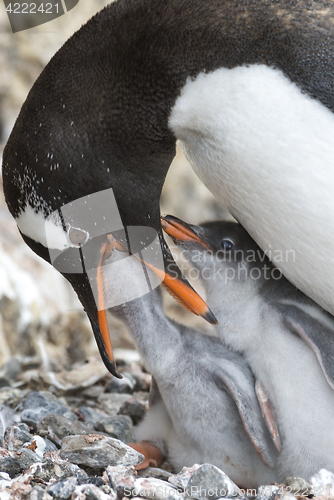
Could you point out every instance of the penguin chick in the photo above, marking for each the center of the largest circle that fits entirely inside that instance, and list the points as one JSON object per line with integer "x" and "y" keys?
{"x": 203, "y": 406}
{"x": 286, "y": 338}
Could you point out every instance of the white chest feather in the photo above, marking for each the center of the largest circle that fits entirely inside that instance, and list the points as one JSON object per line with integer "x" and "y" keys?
{"x": 266, "y": 151}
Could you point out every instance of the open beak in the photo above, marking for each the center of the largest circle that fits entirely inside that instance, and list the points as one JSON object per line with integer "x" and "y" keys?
{"x": 180, "y": 231}
{"x": 179, "y": 289}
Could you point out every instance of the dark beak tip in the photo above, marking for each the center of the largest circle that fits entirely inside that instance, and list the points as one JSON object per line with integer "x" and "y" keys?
{"x": 167, "y": 217}
{"x": 111, "y": 366}
{"x": 117, "y": 374}
{"x": 109, "y": 363}
{"x": 211, "y": 318}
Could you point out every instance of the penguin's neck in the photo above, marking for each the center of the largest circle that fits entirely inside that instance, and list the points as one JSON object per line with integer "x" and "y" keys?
{"x": 237, "y": 307}
{"x": 156, "y": 337}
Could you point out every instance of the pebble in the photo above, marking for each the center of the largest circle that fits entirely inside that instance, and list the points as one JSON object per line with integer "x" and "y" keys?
{"x": 125, "y": 481}
{"x": 62, "y": 489}
{"x": 90, "y": 416}
{"x": 93, "y": 392}
{"x": 268, "y": 492}
{"x": 53, "y": 467}
{"x": 56, "y": 427}
{"x": 152, "y": 489}
{"x": 119, "y": 427}
{"x": 157, "y": 473}
{"x": 91, "y": 492}
{"x": 10, "y": 465}
{"x": 109, "y": 491}
{"x": 143, "y": 380}
{"x": 287, "y": 496}
{"x": 125, "y": 385}
{"x": 133, "y": 409}
{"x": 298, "y": 486}
{"x": 16, "y": 435}
{"x": 11, "y": 396}
{"x": 16, "y": 491}
{"x": 38, "y": 404}
{"x": 4, "y": 382}
{"x": 38, "y": 493}
{"x": 83, "y": 376}
{"x": 126, "y": 356}
{"x": 322, "y": 483}
{"x": 26, "y": 458}
{"x": 8, "y": 417}
{"x": 182, "y": 479}
{"x": 119, "y": 476}
{"x": 95, "y": 450}
{"x": 11, "y": 369}
{"x": 39, "y": 445}
{"x": 112, "y": 402}
{"x": 209, "y": 482}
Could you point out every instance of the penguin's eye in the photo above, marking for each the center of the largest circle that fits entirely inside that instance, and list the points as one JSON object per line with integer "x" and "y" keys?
{"x": 227, "y": 245}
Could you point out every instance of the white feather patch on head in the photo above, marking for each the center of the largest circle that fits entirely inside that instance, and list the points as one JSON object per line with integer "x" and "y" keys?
{"x": 47, "y": 231}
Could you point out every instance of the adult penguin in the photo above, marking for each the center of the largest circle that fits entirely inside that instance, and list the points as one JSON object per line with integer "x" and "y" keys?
{"x": 247, "y": 87}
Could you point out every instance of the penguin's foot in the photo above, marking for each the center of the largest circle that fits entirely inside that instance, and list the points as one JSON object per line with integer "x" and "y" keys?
{"x": 152, "y": 454}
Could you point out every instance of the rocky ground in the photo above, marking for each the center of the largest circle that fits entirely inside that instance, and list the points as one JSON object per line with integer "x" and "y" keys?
{"x": 64, "y": 421}
{"x": 64, "y": 434}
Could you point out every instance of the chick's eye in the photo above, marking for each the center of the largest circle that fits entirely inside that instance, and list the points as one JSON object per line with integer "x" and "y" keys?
{"x": 227, "y": 245}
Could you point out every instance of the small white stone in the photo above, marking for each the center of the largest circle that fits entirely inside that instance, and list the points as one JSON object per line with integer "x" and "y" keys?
{"x": 322, "y": 483}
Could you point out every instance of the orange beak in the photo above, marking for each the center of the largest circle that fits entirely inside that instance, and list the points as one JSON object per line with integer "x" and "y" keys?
{"x": 106, "y": 250}
{"x": 184, "y": 294}
{"x": 178, "y": 289}
{"x": 179, "y": 231}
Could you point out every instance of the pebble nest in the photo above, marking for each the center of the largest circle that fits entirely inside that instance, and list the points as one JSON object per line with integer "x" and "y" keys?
{"x": 64, "y": 436}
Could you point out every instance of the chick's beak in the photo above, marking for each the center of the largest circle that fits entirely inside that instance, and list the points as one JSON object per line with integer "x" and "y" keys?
{"x": 179, "y": 289}
{"x": 184, "y": 294}
{"x": 180, "y": 231}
